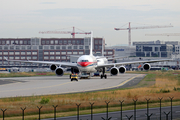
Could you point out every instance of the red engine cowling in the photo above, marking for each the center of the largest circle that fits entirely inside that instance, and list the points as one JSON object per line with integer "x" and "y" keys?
{"x": 122, "y": 69}
{"x": 114, "y": 71}
{"x": 146, "y": 66}
{"x": 59, "y": 71}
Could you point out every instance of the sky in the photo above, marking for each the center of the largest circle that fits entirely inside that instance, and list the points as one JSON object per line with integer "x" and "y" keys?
{"x": 26, "y": 18}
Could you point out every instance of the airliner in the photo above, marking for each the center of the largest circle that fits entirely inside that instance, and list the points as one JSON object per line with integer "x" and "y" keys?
{"x": 90, "y": 64}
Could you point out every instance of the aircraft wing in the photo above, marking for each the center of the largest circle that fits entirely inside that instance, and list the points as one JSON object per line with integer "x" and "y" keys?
{"x": 111, "y": 58}
{"x": 116, "y": 58}
{"x": 132, "y": 62}
{"x": 63, "y": 64}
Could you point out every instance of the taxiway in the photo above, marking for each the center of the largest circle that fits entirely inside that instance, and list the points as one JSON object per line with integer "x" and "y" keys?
{"x": 45, "y": 85}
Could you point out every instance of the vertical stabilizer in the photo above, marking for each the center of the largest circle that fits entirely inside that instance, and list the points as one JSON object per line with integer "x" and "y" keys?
{"x": 102, "y": 47}
{"x": 91, "y": 51}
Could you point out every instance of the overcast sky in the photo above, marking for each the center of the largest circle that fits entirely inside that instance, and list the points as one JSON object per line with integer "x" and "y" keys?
{"x": 25, "y": 18}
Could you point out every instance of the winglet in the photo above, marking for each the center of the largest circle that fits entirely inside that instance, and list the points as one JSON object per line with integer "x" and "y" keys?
{"x": 5, "y": 58}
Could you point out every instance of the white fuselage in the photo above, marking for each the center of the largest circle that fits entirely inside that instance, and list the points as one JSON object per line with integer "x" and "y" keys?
{"x": 88, "y": 63}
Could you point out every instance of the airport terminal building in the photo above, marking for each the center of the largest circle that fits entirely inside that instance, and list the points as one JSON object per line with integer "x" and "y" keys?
{"x": 47, "y": 49}
{"x": 122, "y": 51}
{"x": 155, "y": 48}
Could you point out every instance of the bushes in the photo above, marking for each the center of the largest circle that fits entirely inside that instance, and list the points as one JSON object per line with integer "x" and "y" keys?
{"x": 163, "y": 91}
{"x": 44, "y": 100}
{"x": 176, "y": 89}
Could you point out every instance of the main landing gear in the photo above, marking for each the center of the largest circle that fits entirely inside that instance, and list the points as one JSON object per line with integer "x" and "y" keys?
{"x": 103, "y": 75}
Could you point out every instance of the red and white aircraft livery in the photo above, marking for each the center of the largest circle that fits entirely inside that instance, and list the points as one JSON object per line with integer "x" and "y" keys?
{"x": 90, "y": 64}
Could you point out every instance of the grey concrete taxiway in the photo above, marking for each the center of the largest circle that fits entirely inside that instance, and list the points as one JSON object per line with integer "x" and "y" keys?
{"x": 45, "y": 85}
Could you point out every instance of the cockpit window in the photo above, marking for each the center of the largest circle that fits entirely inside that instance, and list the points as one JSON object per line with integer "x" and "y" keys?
{"x": 84, "y": 61}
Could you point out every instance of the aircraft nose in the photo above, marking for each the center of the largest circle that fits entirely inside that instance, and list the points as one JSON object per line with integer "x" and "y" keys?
{"x": 84, "y": 64}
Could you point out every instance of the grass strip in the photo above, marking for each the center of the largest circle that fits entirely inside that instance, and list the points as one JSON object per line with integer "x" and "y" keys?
{"x": 95, "y": 111}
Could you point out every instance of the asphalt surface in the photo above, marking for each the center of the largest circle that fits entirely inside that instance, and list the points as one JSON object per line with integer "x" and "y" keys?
{"x": 45, "y": 85}
{"x": 141, "y": 114}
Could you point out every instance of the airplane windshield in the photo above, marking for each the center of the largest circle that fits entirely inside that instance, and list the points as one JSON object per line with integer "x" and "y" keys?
{"x": 84, "y": 61}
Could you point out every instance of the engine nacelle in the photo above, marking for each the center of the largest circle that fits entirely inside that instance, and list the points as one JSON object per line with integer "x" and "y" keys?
{"x": 75, "y": 70}
{"x": 114, "y": 71}
{"x": 59, "y": 71}
{"x": 146, "y": 66}
{"x": 53, "y": 67}
{"x": 122, "y": 69}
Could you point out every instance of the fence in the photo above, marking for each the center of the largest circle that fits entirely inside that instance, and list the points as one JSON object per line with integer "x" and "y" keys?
{"x": 148, "y": 115}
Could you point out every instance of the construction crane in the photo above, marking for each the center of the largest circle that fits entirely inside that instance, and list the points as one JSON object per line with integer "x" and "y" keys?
{"x": 64, "y": 32}
{"x": 144, "y": 27}
{"x": 164, "y": 34}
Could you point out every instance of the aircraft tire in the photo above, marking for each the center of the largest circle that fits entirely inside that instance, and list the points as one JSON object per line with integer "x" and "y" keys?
{"x": 105, "y": 76}
{"x": 101, "y": 76}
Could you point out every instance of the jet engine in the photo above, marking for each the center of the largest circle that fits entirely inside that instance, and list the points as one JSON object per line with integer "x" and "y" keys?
{"x": 122, "y": 69}
{"x": 59, "y": 71}
{"x": 146, "y": 66}
{"x": 114, "y": 71}
{"x": 75, "y": 70}
{"x": 53, "y": 67}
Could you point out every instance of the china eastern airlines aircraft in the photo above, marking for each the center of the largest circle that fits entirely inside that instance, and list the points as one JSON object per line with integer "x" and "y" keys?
{"x": 90, "y": 64}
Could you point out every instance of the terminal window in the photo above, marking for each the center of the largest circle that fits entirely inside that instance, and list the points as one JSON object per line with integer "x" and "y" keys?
{"x": 51, "y": 53}
{"x": 60, "y": 41}
{"x": 11, "y": 47}
{"x": 63, "y": 47}
{"x": 46, "y": 53}
{"x": 75, "y": 47}
{"x": 17, "y": 53}
{"x": 57, "y": 57}
{"x": 57, "y": 47}
{"x": 56, "y": 42}
{"x": 17, "y": 57}
{"x": 65, "y": 42}
{"x": 63, "y": 53}
{"x": 69, "y": 47}
{"x": 17, "y": 47}
{"x": 23, "y": 53}
{"x": 47, "y": 42}
{"x": 52, "y": 41}
{"x": 34, "y": 57}
{"x": 57, "y": 53}
{"x": 69, "y": 41}
{"x": 28, "y": 53}
{"x": 52, "y": 47}
{"x": 11, "y": 57}
{"x": 11, "y": 53}
{"x": 51, "y": 57}
{"x": 46, "y": 57}
{"x": 5, "y": 47}
{"x": 69, "y": 52}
